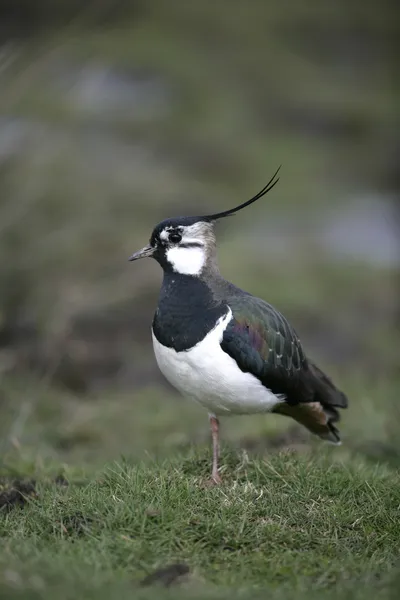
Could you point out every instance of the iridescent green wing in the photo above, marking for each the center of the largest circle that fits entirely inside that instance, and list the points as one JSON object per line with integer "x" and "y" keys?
{"x": 263, "y": 343}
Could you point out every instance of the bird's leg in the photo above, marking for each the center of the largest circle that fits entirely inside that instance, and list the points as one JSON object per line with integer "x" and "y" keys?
{"x": 214, "y": 424}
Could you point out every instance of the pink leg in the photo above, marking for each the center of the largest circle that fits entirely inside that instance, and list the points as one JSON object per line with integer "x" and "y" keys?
{"x": 214, "y": 424}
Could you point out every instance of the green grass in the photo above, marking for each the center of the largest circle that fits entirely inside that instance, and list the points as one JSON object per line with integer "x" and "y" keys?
{"x": 42, "y": 422}
{"x": 287, "y": 526}
{"x": 307, "y": 521}
{"x": 294, "y": 519}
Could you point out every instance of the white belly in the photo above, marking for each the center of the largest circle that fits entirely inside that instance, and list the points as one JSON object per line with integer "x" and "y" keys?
{"x": 209, "y": 375}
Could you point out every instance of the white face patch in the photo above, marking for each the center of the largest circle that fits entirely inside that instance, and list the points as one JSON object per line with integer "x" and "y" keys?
{"x": 195, "y": 234}
{"x": 189, "y": 255}
{"x": 187, "y": 261}
{"x": 165, "y": 233}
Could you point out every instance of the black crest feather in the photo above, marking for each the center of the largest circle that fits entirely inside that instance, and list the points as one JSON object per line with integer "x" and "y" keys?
{"x": 271, "y": 183}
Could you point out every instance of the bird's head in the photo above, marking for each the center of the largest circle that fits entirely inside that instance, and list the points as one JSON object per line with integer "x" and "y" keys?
{"x": 186, "y": 245}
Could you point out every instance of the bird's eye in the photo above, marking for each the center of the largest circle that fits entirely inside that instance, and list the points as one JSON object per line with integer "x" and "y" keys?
{"x": 175, "y": 237}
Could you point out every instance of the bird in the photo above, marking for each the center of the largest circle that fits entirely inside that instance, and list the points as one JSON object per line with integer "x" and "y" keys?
{"x": 232, "y": 352}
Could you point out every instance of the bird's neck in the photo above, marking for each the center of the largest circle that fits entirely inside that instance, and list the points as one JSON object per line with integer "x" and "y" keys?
{"x": 187, "y": 310}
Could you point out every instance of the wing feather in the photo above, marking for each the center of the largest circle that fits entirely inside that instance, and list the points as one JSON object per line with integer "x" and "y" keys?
{"x": 263, "y": 343}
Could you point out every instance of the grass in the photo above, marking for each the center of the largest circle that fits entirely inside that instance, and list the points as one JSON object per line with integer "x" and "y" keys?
{"x": 289, "y": 526}
{"x": 294, "y": 519}
{"x": 41, "y": 421}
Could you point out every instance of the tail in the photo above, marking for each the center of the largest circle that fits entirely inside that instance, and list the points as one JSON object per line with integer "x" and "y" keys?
{"x": 320, "y": 412}
{"x": 325, "y": 391}
{"x": 330, "y": 398}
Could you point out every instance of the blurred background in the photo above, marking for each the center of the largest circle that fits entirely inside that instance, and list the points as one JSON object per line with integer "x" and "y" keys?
{"x": 115, "y": 114}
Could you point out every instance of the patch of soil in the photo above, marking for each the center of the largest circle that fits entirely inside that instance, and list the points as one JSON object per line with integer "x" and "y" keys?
{"x": 16, "y": 493}
{"x": 60, "y": 480}
{"x": 167, "y": 576}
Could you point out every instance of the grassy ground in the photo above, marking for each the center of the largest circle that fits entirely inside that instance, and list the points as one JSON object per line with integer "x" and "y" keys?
{"x": 288, "y": 526}
{"x": 295, "y": 518}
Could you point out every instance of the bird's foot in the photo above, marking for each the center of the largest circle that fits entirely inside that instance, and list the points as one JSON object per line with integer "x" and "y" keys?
{"x": 215, "y": 479}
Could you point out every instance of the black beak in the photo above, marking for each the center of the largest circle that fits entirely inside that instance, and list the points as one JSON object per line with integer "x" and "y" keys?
{"x": 145, "y": 252}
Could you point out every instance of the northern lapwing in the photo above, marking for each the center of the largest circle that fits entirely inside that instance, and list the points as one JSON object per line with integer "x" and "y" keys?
{"x": 230, "y": 351}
